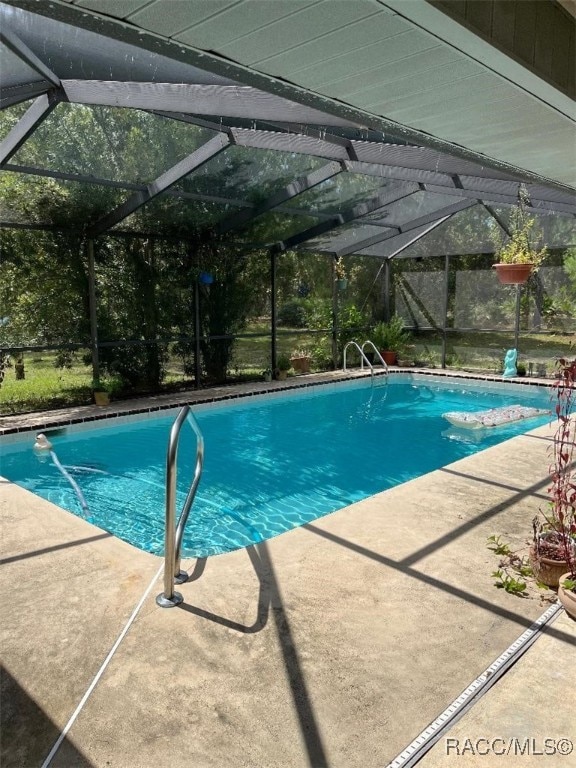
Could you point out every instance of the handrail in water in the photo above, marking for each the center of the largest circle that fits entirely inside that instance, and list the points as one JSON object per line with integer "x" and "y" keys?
{"x": 173, "y": 535}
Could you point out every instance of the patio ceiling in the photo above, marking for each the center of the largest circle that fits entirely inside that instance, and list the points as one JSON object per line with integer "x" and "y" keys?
{"x": 408, "y": 186}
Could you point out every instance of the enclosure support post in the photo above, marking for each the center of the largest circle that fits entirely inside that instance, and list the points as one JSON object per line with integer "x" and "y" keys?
{"x": 273, "y": 310}
{"x": 386, "y": 289}
{"x": 334, "y": 314}
{"x": 517, "y": 323}
{"x": 445, "y": 316}
{"x": 197, "y": 372}
{"x": 93, "y": 312}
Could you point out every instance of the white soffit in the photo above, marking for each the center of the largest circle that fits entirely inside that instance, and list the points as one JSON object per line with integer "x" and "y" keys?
{"x": 401, "y": 60}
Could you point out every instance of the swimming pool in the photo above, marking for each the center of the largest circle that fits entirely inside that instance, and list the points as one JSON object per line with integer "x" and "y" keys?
{"x": 272, "y": 462}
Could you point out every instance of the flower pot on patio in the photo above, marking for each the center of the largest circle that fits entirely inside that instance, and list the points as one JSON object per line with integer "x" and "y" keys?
{"x": 567, "y": 596}
{"x": 389, "y": 356}
{"x": 101, "y": 398}
{"x": 301, "y": 364}
{"x": 547, "y": 570}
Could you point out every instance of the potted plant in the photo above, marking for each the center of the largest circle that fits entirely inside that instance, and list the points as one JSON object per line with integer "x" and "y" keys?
{"x": 555, "y": 540}
{"x": 516, "y": 255}
{"x": 103, "y": 390}
{"x": 283, "y": 365}
{"x": 340, "y": 274}
{"x": 391, "y": 339}
{"x": 100, "y": 392}
{"x": 301, "y": 360}
{"x": 547, "y": 553}
{"x": 267, "y": 374}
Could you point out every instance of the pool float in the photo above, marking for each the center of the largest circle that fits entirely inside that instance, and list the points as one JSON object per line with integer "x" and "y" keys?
{"x": 494, "y": 417}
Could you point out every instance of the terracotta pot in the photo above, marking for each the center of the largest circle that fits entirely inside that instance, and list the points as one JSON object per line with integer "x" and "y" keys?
{"x": 281, "y": 375}
{"x": 389, "y": 357}
{"x": 567, "y": 597}
{"x": 546, "y": 570}
{"x": 301, "y": 364}
{"x": 513, "y": 274}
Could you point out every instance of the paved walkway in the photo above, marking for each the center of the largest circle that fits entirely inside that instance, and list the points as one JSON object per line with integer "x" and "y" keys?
{"x": 331, "y": 645}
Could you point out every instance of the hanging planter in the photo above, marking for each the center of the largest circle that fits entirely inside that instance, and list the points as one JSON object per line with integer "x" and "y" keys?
{"x": 518, "y": 255}
{"x": 513, "y": 274}
{"x": 340, "y": 274}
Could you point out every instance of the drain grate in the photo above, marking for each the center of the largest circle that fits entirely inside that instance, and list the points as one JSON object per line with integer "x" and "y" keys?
{"x": 416, "y": 750}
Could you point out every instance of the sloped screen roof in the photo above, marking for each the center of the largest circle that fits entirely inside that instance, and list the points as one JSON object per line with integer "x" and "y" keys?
{"x": 142, "y": 143}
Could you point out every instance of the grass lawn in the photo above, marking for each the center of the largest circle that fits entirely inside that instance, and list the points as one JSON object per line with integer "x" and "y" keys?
{"x": 46, "y": 386}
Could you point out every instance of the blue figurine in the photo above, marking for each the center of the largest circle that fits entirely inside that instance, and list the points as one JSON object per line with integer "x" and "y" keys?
{"x": 510, "y": 363}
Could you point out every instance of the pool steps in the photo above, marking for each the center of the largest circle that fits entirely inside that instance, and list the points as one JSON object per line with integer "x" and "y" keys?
{"x": 363, "y": 358}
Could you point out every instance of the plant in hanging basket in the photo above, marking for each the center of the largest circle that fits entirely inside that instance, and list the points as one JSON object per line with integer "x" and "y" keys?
{"x": 339, "y": 269}
{"x": 520, "y": 253}
{"x": 340, "y": 274}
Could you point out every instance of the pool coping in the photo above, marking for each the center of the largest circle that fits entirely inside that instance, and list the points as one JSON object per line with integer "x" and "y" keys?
{"x": 27, "y": 422}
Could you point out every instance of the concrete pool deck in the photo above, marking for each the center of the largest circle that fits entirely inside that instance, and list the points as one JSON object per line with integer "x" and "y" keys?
{"x": 331, "y": 645}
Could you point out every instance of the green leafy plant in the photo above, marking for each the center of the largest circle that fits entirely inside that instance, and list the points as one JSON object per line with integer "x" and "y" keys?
{"x": 499, "y": 547}
{"x": 339, "y": 269}
{"x": 283, "y": 362}
{"x": 509, "y": 583}
{"x": 293, "y": 314}
{"x": 520, "y": 247}
{"x": 391, "y": 335}
{"x": 113, "y": 385}
{"x": 513, "y": 569}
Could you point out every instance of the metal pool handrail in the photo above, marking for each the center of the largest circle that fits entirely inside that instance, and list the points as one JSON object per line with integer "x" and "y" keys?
{"x": 371, "y": 343}
{"x": 181, "y": 576}
{"x": 362, "y": 356}
{"x": 173, "y": 534}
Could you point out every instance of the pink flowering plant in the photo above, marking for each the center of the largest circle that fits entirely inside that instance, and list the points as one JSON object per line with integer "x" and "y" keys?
{"x": 557, "y": 538}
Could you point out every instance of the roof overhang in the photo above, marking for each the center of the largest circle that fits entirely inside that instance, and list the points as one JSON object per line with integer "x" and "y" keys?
{"x": 402, "y": 68}
{"x": 70, "y": 54}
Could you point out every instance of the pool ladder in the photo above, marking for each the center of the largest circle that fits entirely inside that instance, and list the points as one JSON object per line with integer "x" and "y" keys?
{"x": 363, "y": 358}
{"x": 174, "y": 533}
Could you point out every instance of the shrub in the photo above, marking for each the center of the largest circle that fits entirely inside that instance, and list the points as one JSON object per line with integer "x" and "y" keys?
{"x": 293, "y": 314}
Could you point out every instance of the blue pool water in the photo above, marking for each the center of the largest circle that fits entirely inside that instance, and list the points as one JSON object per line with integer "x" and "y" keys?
{"x": 271, "y": 463}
